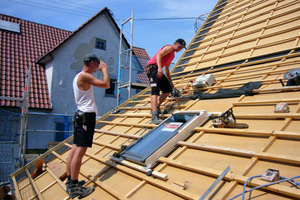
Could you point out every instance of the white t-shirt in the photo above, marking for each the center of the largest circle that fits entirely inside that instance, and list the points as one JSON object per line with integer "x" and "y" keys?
{"x": 84, "y": 100}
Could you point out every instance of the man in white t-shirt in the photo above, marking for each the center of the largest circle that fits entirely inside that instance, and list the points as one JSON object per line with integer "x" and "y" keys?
{"x": 84, "y": 121}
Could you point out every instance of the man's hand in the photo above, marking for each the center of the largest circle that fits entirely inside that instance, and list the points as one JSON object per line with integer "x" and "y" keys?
{"x": 102, "y": 66}
{"x": 159, "y": 73}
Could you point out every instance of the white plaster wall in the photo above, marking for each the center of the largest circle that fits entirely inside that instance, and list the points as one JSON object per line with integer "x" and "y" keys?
{"x": 68, "y": 61}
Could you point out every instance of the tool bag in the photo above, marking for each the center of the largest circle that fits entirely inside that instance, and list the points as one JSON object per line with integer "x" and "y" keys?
{"x": 79, "y": 117}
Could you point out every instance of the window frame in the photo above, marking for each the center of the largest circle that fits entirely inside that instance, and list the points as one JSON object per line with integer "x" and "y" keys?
{"x": 100, "y": 44}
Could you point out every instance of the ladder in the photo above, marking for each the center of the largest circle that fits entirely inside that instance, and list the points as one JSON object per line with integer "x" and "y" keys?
{"x": 120, "y": 65}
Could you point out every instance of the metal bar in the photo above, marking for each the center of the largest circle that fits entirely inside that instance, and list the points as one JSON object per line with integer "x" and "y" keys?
{"x": 11, "y": 98}
{"x": 134, "y": 69}
{"x": 24, "y": 117}
{"x": 125, "y": 51}
{"x": 215, "y": 183}
{"x": 126, "y": 61}
{"x": 119, "y": 64}
{"x": 130, "y": 61}
{"x": 50, "y": 114}
{"x": 50, "y": 131}
{"x": 127, "y": 20}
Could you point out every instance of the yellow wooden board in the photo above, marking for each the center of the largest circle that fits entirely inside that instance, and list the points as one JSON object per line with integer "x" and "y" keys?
{"x": 248, "y": 41}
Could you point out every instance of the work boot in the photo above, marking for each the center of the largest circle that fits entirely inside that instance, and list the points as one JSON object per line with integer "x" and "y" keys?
{"x": 155, "y": 118}
{"x": 77, "y": 190}
{"x": 159, "y": 110}
{"x": 68, "y": 183}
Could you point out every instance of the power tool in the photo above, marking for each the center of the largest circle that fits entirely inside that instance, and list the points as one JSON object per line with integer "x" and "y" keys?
{"x": 227, "y": 120}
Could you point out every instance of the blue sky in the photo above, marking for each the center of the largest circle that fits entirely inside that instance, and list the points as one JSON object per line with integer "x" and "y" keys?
{"x": 148, "y": 33}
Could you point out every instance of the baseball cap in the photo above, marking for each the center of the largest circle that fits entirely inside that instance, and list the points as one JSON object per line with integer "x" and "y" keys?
{"x": 91, "y": 57}
{"x": 181, "y": 42}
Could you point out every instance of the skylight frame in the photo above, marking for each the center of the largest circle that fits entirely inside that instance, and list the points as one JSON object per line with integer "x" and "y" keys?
{"x": 134, "y": 153}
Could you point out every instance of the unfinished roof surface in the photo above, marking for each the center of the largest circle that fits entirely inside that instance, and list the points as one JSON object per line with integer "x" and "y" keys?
{"x": 242, "y": 41}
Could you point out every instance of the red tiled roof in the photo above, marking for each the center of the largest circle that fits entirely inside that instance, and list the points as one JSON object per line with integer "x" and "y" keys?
{"x": 34, "y": 42}
{"x": 143, "y": 58}
{"x": 18, "y": 51}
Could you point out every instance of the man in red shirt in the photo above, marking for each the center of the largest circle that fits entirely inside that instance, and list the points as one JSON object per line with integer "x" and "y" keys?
{"x": 159, "y": 81}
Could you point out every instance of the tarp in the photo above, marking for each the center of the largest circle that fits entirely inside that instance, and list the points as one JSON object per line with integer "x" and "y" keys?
{"x": 228, "y": 93}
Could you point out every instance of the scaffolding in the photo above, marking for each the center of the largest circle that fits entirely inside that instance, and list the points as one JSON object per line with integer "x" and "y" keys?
{"x": 199, "y": 20}
{"x": 24, "y": 117}
{"x": 126, "y": 84}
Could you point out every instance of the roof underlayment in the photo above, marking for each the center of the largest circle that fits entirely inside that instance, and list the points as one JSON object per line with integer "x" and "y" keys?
{"x": 241, "y": 41}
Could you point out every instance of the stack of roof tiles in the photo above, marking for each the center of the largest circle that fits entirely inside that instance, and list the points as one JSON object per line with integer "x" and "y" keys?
{"x": 18, "y": 52}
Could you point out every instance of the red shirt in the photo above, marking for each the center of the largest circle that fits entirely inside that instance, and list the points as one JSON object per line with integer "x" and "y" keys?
{"x": 167, "y": 59}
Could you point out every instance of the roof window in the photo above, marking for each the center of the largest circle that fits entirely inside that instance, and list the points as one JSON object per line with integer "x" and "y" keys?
{"x": 157, "y": 142}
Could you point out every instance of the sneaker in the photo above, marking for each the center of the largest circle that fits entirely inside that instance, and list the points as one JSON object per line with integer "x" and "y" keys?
{"x": 68, "y": 183}
{"x": 77, "y": 190}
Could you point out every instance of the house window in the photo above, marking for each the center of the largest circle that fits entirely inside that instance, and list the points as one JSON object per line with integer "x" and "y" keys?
{"x": 100, "y": 44}
{"x": 112, "y": 90}
{"x": 157, "y": 142}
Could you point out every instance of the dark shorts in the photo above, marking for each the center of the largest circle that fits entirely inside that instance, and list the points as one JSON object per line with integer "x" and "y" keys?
{"x": 158, "y": 84}
{"x": 84, "y": 133}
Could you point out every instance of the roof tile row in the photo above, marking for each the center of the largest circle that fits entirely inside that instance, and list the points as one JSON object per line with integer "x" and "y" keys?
{"x": 17, "y": 52}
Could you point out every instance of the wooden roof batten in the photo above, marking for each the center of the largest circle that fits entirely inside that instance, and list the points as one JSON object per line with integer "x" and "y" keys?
{"x": 271, "y": 141}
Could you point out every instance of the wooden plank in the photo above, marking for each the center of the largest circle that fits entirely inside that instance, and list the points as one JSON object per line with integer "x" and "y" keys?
{"x": 241, "y": 50}
{"x": 241, "y": 152}
{"x": 239, "y": 16}
{"x": 136, "y": 115}
{"x": 56, "y": 178}
{"x": 258, "y": 20}
{"x": 139, "y": 186}
{"x": 42, "y": 156}
{"x": 281, "y": 89}
{"x": 17, "y": 190}
{"x": 284, "y": 60}
{"x": 133, "y": 173}
{"x": 234, "y": 131}
{"x": 34, "y": 186}
{"x": 144, "y": 177}
{"x": 58, "y": 169}
{"x": 272, "y": 61}
{"x": 224, "y": 131}
{"x": 239, "y": 84}
{"x": 270, "y": 101}
{"x": 140, "y": 168}
{"x": 233, "y": 177}
{"x": 108, "y": 189}
{"x": 118, "y": 134}
{"x": 286, "y": 134}
{"x": 144, "y": 107}
{"x": 269, "y": 116}
{"x": 128, "y": 124}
